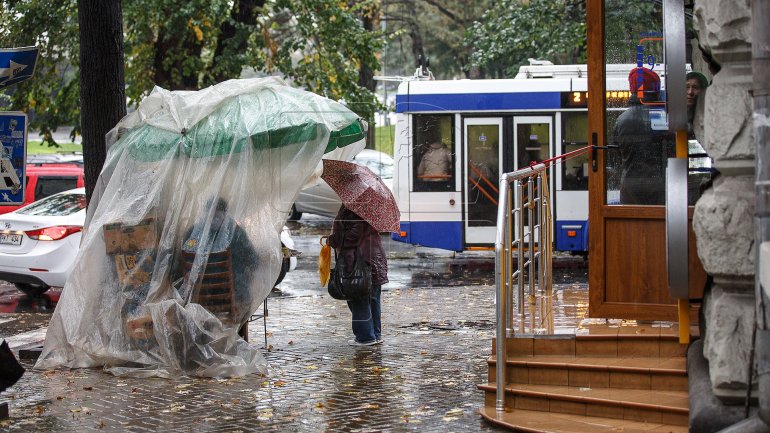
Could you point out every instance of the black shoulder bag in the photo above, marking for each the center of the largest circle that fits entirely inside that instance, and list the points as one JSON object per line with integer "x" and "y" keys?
{"x": 353, "y": 285}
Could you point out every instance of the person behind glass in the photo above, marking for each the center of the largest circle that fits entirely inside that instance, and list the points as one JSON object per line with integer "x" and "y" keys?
{"x": 349, "y": 232}
{"x": 695, "y": 84}
{"x": 644, "y": 149}
{"x": 435, "y": 163}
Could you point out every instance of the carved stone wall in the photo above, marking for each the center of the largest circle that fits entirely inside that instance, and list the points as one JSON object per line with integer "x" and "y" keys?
{"x": 723, "y": 220}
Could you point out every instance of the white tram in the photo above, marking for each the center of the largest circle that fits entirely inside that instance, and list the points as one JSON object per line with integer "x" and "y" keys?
{"x": 491, "y": 127}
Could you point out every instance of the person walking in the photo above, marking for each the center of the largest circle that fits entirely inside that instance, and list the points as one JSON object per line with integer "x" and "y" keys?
{"x": 351, "y": 232}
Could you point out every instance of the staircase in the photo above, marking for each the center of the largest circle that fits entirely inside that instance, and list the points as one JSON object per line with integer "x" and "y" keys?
{"x": 632, "y": 380}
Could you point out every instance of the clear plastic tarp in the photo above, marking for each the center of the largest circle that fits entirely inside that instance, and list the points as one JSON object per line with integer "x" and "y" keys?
{"x": 181, "y": 242}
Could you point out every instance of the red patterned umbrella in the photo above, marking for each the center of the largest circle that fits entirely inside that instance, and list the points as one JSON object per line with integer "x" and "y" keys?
{"x": 363, "y": 192}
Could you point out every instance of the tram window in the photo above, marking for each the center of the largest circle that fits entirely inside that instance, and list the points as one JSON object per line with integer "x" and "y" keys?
{"x": 575, "y": 170}
{"x": 434, "y": 153}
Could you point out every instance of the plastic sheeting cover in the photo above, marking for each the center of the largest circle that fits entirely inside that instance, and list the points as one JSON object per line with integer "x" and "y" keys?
{"x": 182, "y": 236}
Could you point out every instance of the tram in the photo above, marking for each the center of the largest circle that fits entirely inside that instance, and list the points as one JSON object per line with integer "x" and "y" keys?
{"x": 489, "y": 127}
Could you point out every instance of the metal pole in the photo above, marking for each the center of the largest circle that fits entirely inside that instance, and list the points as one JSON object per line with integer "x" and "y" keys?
{"x": 520, "y": 252}
{"x": 502, "y": 294}
{"x": 509, "y": 215}
{"x": 531, "y": 262}
{"x": 540, "y": 244}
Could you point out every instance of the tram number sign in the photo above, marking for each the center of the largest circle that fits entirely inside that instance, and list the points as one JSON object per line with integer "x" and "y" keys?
{"x": 615, "y": 98}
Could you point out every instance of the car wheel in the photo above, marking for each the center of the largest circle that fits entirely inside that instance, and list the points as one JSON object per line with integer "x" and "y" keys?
{"x": 32, "y": 290}
{"x": 294, "y": 214}
{"x": 284, "y": 269}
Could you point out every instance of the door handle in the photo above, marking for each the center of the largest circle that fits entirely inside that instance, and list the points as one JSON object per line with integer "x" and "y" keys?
{"x": 594, "y": 148}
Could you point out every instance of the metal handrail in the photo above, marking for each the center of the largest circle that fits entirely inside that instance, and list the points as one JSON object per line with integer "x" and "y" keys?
{"x": 512, "y": 235}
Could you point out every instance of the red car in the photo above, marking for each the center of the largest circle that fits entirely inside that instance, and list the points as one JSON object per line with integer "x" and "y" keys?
{"x": 47, "y": 179}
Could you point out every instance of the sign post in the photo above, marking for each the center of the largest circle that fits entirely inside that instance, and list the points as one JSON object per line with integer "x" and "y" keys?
{"x": 13, "y": 157}
{"x": 16, "y": 65}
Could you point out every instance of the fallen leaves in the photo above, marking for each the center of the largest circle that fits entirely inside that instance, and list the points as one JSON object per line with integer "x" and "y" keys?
{"x": 452, "y": 415}
{"x": 379, "y": 370}
{"x": 175, "y": 407}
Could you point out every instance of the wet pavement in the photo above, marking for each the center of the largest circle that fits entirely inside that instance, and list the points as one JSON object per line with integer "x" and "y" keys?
{"x": 438, "y": 324}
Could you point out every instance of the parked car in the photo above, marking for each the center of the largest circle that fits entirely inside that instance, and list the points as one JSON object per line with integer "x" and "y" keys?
{"x": 56, "y": 158}
{"x": 48, "y": 178}
{"x": 320, "y": 199}
{"x": 39, "y": 242}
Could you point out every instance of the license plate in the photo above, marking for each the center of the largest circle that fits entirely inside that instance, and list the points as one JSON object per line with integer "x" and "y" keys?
{"x": 10, "y": 239}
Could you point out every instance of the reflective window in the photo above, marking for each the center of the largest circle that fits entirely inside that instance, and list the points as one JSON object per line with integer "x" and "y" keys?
{"x": 483, "y": 173}
{"x": 50, "y": 185}
{"x": 636, "y": 170}
{"x": 575, "y": 169}
{"x": 56, "y": 205}
{"x": 433, "y": 151}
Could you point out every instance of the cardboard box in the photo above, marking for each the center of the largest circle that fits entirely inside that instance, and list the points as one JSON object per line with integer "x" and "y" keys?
{"x": 124, "y": 239}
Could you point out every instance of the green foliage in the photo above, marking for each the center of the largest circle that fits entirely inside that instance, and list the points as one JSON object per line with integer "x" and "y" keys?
{"x": 325, "y": 48}
{"x": 37, "y": 147}
{"x": 51, "y": 97}
{"x": 320, "y": 45}
{"x": 384, "y": 137}
{"x": 626, "y": 24}
{"x": 513, "y": 30}
{"x": 435, "y": 28}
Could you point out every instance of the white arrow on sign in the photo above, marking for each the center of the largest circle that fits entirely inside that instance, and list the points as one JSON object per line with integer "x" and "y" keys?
{"x": 12, "y": 71}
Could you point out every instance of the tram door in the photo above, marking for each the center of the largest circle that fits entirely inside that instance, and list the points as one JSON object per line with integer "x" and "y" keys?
{"x": 483, "y": 165}
{"x": 532, "y": 142}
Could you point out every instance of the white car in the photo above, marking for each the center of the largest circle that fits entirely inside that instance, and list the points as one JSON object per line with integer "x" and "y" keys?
{"x": 39, "y": 242}
{"x": 320, "y": 199}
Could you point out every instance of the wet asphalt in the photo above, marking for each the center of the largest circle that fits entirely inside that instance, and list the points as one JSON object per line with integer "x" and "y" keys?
{"x": 409, "y": 267}
{"x": 438, "y": 325}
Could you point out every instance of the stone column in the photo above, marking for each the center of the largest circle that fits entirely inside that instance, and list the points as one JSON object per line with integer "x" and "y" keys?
{"x": 723, "y": 220}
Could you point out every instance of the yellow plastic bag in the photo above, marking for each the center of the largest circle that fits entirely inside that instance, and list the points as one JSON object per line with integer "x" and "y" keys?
{"x": 324, "y": 260}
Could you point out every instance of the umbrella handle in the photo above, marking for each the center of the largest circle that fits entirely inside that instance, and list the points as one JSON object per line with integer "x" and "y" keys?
{"x": 321, "y": 241}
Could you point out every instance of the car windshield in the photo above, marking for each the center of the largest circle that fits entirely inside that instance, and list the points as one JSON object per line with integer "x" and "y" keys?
{"x": 380, "y": 168}
{"x": 56, "y": 205}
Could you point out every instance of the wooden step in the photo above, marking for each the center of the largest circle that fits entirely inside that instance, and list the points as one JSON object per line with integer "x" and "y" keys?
{"x": 611, "y": 345}
{"x": 665, "y": 374}
{"x": 529, "y": 421}
{"x": 652, "y": 406}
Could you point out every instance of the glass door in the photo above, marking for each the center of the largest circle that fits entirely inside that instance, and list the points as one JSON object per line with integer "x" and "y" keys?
{"x": 483, "y": 151}
{"x": 532, "y": 142}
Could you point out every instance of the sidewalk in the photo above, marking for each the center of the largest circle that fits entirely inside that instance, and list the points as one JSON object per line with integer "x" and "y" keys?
{"x": 423, "y": 378}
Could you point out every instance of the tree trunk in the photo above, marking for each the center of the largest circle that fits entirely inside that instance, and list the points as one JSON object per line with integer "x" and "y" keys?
{"x": 102, "y": 83}
{"x": 366, "y": 78}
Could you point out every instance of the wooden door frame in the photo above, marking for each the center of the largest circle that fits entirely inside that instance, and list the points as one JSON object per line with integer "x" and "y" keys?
{"x": 599, "y": 212}
{"x": 597, "y": 118}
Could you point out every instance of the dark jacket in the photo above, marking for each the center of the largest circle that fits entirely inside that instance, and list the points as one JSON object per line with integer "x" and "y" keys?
{"x": 644, "y": 152}
{"x": 350, "y": 231}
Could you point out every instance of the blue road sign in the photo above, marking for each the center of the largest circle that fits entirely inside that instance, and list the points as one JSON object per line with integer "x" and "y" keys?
{"x": 13, "y": 155}
{"x": 16, "y": 65}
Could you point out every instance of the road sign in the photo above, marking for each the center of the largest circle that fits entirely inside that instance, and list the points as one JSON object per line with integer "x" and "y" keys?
{"x": 13, "y": 154}
{"x": 16, "y": 65}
